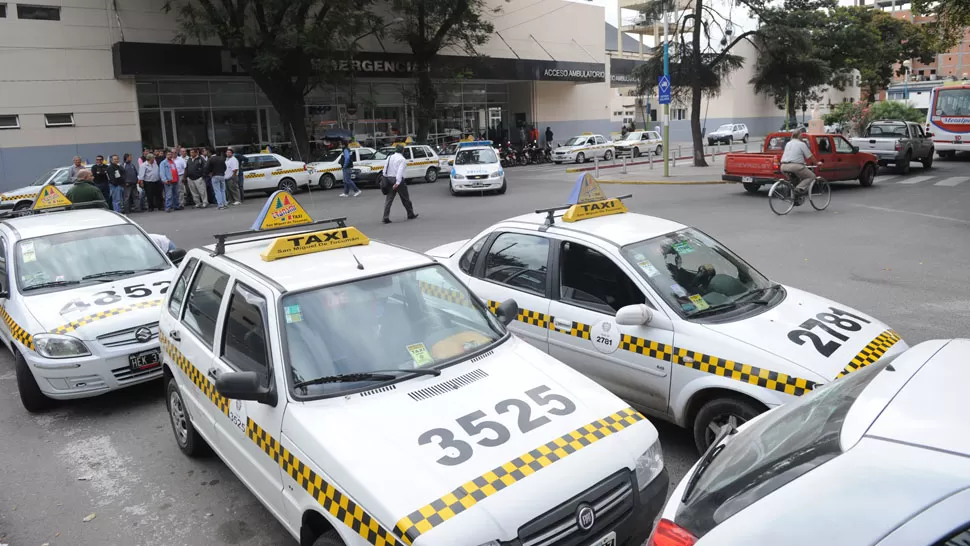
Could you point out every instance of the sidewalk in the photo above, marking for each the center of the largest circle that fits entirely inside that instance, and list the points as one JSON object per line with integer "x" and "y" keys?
{"x": 683, "y": 172}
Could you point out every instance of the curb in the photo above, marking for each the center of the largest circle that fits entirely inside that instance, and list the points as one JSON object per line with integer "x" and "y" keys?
{"x": 664, "y": 182}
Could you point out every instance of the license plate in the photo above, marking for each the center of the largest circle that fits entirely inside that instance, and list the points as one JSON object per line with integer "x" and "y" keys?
{"x": 608, "y": 540}
{"x": 478, "y": 185}
{"x": 353, "y": 176}
{"x": 144, "y": 360}
{"x": 747, "y": 179}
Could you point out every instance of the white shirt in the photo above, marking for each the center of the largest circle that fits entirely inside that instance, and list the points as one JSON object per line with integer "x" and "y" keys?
{"x": 796, "y": 151}
{"x": 394, "y": 168}
{"x": 163, "y": 242}
{"x": 180, "y": 165}
{"x": 232, "y": 165}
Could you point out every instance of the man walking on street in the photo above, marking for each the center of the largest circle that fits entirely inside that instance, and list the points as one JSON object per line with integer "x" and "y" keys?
{"x": 216, "y": 170}
{"x": 149, "y": 179}
{"x": 75, "y": 169}
{"x": 180, "y": 165}
{"x": 194, "y": 168}
{"x": 169, "y": 174}
{"x": 116, "y": 183}
{"x": 232, "y": 185}
{"x": 83, "y": 191}
{"x": 100, "y": 173}
{"x": 346, "y": 162}
{"x": 394, "y": 170}
{"x": 130, "y": 177}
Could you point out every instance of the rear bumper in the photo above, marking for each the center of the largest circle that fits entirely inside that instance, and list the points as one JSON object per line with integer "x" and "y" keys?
{"x": 754, "y": 179}
{"x": 952, "y": 146}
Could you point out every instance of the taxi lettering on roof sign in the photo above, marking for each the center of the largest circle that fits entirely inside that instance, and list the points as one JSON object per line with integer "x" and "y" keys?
{"x": 307, "y": 243}
{"x": 589, "y": 201}
{"x": 49, "y": 198}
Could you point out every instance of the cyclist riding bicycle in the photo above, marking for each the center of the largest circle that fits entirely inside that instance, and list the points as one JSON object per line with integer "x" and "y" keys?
{"x": 795, "y": 159}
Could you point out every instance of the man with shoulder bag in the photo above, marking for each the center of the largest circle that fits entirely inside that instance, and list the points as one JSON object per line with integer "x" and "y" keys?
{"x": 392, "y": 179}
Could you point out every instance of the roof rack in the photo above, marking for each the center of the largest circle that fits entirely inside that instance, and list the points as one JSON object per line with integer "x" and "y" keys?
{"x": 550, "y": 212}
{"x": 221, "y": 237}
{"x": 73, "y": 206}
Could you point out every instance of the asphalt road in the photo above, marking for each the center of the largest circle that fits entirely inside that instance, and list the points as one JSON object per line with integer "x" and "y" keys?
{"x": 897, "y": 250}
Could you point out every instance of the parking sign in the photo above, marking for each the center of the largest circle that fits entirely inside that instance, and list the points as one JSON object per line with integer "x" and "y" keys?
{"x": 663, "y": 89}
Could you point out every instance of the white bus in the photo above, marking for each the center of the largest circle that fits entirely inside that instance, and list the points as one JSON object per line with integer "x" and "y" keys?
{"x": 948, "y": 119}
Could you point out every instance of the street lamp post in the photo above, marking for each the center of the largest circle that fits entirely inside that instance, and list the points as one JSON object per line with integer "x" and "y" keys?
{"x": 907, "y": 65}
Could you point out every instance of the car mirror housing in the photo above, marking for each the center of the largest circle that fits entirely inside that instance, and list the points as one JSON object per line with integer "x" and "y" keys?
{"x": 176, "y": 255}
{"x": 507, "y": 311}
{"x": 245, "y": 386}
{"x": 634, "y": 315}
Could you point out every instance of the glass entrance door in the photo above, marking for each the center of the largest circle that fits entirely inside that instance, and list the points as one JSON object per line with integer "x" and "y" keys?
{"x": 192, "y": 128}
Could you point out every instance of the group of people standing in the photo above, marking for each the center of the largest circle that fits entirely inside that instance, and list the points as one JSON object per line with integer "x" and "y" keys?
{"x": 168, "y": 180}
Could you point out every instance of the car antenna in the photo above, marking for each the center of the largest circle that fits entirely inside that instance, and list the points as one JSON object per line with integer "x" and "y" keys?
{"x": 360, "y": 266}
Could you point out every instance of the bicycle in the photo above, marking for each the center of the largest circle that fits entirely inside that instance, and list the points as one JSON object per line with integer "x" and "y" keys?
{"x": 782, "y": 198}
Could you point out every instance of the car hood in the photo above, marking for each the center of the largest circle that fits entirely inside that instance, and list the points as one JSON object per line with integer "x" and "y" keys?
{"x": 382, "y": 447}
{"x": 372, "y": 164}
{"x": 780, "y": 331}
{"x": 572, "y": 148}
{"x": 317, "y": 165}
{"x": 720, "y": 133}
{"x": 446, "y": 250}
{"x": 94, "y": 310}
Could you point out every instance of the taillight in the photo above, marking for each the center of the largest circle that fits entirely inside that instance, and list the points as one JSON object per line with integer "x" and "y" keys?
{"x": 899, "y": 145}
{"x": 669, "y": 533}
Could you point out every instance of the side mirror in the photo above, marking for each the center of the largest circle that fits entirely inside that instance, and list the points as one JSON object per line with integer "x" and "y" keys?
{"x": 929, "y": 135}
{"x": 634, "y": 315}
{"x": 176, "y": 255}
{"x": 451, "y": 161}
{"x": 244, "y": 386}
{"x": 507, "y": 311}
{"x": 855, "y": 149}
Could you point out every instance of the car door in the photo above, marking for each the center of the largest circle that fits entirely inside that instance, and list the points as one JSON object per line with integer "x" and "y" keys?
{"x": 271, "y": 166}
{"x": 245, "y": 346}
{"x": 601, "y": 146}
{"x": 825, "y": 152}
{"x": 849, "y": 165}
{"x": 192, "y": 336}
{"x": 590, "y": 289}
{"x": 415, "y": 168}
{"x": 922, "y": 144}
{"x": 4, "y": 285}
{"x": 515, "y": 265}
{"x": 255, "y": 176}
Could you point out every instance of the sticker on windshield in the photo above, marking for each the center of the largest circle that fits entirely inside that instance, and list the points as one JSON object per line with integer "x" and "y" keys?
{"x": 27, "y": 252}
{"x": 648, "y": 268}
{"x": 293, "y": 314}
{"x": 678, "y": 290}
{"x": 688, "y": 306}
{"x": 683, "y": 247}
{"x": 639, "y": 257}
{"x": 605, "y": 337}
{"x": 699, "y": 302}
{"x": 420, "y": 355}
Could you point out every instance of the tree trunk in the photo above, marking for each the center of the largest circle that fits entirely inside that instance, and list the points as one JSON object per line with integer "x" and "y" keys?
{"x": 696, "y": 92}
{"x": 791, "y": 107}
{"x": 289, "y": 104}
{"x": 426, "y": 101}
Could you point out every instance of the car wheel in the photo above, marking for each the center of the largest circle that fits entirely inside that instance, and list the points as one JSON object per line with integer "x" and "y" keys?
{"x": 431, "y": 175}
{"x": 504, "y": 187}
{"x": 868, "y": 175}
{"x": 31, "y": 396}
{"x": 717, "y": 413}
{"x": 659, "y": 151}
{"x": 928, "y": 161}
{"x": 608, "y": 155}
{"x": 451, "y": 188}
{"x": 744, "y": 139}
{"x": 23, "y": 205}
{"x": 327, "y": 181}
{"x": 288, "y": 185}
{"x": 751, "y": 187}
{"x": 187, "y": 438}
{"x": 580, "y": 157}
{"x": 636, "y": 152}
{"x": 903, "y": 165}
{"x": 330, "y": 538}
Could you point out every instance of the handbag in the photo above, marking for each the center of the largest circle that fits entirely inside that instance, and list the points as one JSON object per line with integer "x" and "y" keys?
{"x": 383, "y": 181}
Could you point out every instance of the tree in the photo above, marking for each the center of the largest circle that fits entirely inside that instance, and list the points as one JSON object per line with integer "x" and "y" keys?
{"x": 856, "y": 116}
{"x": 287, "y": 46}
{"x": 951, "y": 19}
{"x": 427, "y": 27}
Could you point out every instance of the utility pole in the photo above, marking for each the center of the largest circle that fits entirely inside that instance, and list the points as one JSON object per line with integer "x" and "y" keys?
{"x": 666, "y": 106}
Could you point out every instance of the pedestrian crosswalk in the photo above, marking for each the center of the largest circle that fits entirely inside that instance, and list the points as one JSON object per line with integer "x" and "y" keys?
{"x": 909, "y": 180}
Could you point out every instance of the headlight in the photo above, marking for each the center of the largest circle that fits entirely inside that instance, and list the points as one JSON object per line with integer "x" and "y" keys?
{"x": 649, "y": 465}
{"x": 58, "y": 346}
{"x": 496, "y": 174}
{"x": 457, "y": 176}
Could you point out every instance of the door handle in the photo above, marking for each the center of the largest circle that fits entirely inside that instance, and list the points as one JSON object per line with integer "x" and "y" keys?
{"x": 174, "y": 334}
{"x": 562, "y": 324}
{"x": 214, "y": 373}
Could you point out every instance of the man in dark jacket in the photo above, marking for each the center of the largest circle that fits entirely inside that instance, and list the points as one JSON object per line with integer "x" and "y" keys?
{"x": 100, "y": 173}
{"x": 83, "y": 190}
{"x": 194, "y": 169}
{"x": 130, "y": 187}
{"x": 116, "y": 181}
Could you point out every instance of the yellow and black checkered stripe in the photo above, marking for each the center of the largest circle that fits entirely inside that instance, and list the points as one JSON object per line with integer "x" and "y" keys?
{"x": 443, "y": 293}
{"x": 254, "y": 175}
{"x": 471, "y": 493}
{"x": 332, "y": 500}
{"x": 100, "y": 315}
{"x": 287, "y": 171}
{"x": 640, "y": 346}
{"x": 872, "y": 352}
{"x": 413, "y": 163}
{"x": 16, "y": 331}
{"x": 18, "y": 197}
{"x": 327, "y": 170}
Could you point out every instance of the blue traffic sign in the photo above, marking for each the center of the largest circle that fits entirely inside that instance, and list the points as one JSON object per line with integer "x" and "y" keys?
{"x": 663, "y": 89}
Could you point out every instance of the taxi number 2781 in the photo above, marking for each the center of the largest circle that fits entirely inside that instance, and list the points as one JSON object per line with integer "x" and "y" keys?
{"x": 824, "y": 321}
{"x": 473, "y": 425}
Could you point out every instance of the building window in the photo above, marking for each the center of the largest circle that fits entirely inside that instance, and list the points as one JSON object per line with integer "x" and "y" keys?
{"x": 59, "y": 120}
{"x": 3, "y": 11}
{"x": 679, "y": 114}
{"x": 40, "y": 13}
{"x": 10, "y": 122}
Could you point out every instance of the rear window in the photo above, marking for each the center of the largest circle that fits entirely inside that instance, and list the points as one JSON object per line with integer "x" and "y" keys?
{"x": 773, "y": 451}
{"x": 897, "y": 130}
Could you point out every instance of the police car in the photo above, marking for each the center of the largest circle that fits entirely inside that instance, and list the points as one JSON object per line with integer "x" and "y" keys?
{"x": 662, "y": 314}
{"x": 422, "y": 163}
{"x": 881, "y": 457}
{"x": 79, "y": 300}
{"x": 328, "y": 171}
{"x": 583, "y": 148}
{"x": 270, "y": 172}
{"x": 384, "y": 404}
{"x": 476, "y": 168}
{"x": 23, "y": 198}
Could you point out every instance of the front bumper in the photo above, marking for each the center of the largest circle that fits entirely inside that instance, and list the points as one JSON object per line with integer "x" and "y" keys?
{"x": 565, "y": 156}
{"x": 715, "y": 139}
{"x": 361, "y": 176}
{"x": 486, "y": 184}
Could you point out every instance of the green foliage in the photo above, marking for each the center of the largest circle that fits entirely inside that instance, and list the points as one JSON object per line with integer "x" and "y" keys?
{"x": 896, "y": 110}
{"x": 683, "y": 77}
{"x": 856, "y": 116}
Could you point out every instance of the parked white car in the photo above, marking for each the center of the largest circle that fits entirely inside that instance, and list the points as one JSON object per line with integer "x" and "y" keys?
{"x": 271, "y": 172}
{"x": 728, "y": 133}
{"x": 422, "y": 164}
{"x": 327, "y": 171}
{"x": 583, "y": 148}
{"x": 639, "y": 143}
{"x": 23, "y": 198}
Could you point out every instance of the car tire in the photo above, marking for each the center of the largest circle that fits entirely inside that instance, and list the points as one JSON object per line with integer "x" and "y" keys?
{"x": 636, "y": 152}
{"x": 751, "y": 187}
{"x": 187, "y": 438}
{"x": 23, "y": 205}
{"x": 501, "y": 191}
{"x": 927, "y": 161}
{"x": 718, "y": 412}
{"x": 608, "y": 155}
{"x": 451, "y": 188}
{"x": 33, "y": 399}
{"x": 288, "y": 185}
{"x": 327, "y": 181}
{"x": 904, "y": 165}
{"x": 431, "y": 176}
{"x": 659, "y": 151}
{"x": 558, "y": 162}
{"x": 330, "y": 538}
{"x": 868, "y": 175}
{"x": 580, "y": 157}
{"x": 744, "y": 139}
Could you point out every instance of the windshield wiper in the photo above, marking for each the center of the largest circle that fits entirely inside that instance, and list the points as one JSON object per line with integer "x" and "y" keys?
{"x": 715, "y": 309}
{"x": 759, "y": 292}
{"x": 715, "y": 448}
{"x": 119, "y": 272}
{"x": 49, "y": 284}
{"x": 376, "y": 375}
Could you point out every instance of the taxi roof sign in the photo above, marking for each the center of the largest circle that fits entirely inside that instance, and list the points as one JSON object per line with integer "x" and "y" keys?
{"x": 595, "y": 209}
{"x": 314, "y": 241}
{"x": 586, "y": 190}
{"x": 587, "y": 133}
{"x": 50, "y": 197}
{"x": 469, "y": 143}
{"x": 587, "y": 200}
{"x": 281, "y": 210}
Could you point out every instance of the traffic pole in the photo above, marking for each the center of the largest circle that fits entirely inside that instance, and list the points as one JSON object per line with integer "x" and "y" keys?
{"x": 666, "y": 106}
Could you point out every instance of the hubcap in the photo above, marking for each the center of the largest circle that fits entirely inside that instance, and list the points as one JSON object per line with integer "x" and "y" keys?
{"x": 179, "y": 423}
{"x": 289, "y": 187}
{"x": 718, "y": 423}
{"x": 432, "y": 175}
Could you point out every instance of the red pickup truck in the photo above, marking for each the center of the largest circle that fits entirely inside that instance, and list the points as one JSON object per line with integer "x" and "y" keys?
{"x": 840, "y": 161}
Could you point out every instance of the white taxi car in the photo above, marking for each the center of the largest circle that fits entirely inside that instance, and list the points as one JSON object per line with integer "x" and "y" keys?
{"x": 879, "y": 458}
{"x": 384, "y": 405}
{"x": 271, "y": 172}
{"x": 23, "y": 198}
{"x": 583, "y": 148}
{"x": 422, "y": 164}
{"x": 637, "y": 143}
{"x": 79, "y": 300}
{"x": 446, "y": 155}
{"x": 476, "y": 168}
{"x": 661, "y": 313}
{"x": 327, "y": 171}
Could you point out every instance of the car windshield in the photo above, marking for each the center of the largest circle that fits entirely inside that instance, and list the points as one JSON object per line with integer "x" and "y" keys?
{"x": 725, "y": 128}
{"x": 330, "y": 156}
{"x": 44, "y": 178}
{"x": 773, "y": 451}
{"x": 482, "y": 156}
{"x": 576, "y": 141}
{"x": 97, "y": 255}
{"x": 420, "y": 318}
{"x": 631, "y": 136}
{"x": 694, "y": 273}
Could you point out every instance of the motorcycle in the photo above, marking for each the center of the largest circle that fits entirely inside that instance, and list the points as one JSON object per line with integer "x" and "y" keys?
{"x": 505, "y": 159}
{"x": 535, "y": 153}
